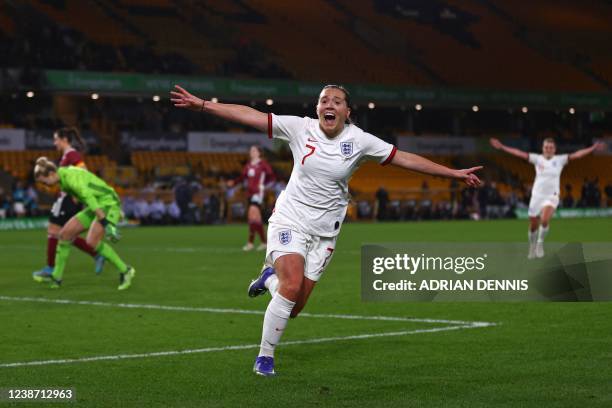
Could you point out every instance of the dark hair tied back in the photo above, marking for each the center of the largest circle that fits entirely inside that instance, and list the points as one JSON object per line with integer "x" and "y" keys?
{"x": 72, "y": 135}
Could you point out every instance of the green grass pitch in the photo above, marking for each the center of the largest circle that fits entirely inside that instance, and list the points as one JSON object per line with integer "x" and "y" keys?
{"x": 541, "y": 354}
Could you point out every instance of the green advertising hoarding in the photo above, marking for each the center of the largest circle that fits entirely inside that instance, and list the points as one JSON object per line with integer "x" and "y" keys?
{"x": 521, "y": 213}
{"x": 130, "y": 83}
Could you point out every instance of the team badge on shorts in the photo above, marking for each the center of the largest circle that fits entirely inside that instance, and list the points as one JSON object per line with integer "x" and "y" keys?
{"x": 346, "y": 148}
{"x": 284, "y": 237}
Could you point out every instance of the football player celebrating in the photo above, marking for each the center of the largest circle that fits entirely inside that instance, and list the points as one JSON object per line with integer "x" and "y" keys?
{"x": 545, "y": 191}
{"x": 308, "y": 215}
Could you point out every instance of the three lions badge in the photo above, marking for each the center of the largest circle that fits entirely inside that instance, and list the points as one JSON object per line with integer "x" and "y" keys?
{"x": 346, "y": 148}
{"x": 284, "y": 237}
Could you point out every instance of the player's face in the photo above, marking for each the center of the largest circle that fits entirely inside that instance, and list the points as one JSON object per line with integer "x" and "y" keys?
{"x": 332, "y": 111}
{"x": 548, "y": 149}
{"x": 254, "y": 153}
{"x": 60, "y": 144}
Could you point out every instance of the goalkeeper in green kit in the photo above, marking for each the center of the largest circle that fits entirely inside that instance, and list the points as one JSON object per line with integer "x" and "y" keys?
{"x": 100, "y": 216}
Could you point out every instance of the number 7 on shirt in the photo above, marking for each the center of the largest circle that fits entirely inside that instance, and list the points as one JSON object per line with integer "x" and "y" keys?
{"x": 312, "y": 150}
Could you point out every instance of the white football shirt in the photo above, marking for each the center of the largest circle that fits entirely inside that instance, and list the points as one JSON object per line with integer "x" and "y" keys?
{"x": 548, "y": 174}
{"x": 317, "y": 196}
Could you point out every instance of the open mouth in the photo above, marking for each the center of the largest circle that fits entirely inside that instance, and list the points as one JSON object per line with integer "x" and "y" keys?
{"x": 329, "y": 118}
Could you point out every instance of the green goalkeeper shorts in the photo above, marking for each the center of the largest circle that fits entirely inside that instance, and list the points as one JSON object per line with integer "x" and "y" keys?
{"x": 87, "y": 216}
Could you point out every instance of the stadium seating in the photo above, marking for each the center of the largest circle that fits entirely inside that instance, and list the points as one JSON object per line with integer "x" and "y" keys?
{"x": 216, "y": 163}
{"x": 479, "y": 66}
{"x": 565, "y": 32}
{"x": 400, "y": 184}
{"x": 450, "y": 42}
{"x": 20, "y": 164}
{"x": 90, "y": 19}
{"x": 322, "y": 46}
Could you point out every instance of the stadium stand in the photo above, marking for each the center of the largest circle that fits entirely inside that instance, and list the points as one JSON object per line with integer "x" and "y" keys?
{"x": 561, "y": 31}
{"x": 74, "y": 39}
{"x": 475, "y": 52}
{"x": 206, "y": 163}
{"x": 441, "y": 43}
{"x": 546, "y": 45}
{"x": 20, "y": 163}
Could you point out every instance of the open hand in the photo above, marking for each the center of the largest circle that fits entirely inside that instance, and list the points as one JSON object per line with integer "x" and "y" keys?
{"x": 599, "y": 146}
{"x": 495, "y": 143}
{"x": 183, "y": 99}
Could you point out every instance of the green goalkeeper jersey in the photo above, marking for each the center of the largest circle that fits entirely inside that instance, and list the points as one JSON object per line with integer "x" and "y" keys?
{"x": 88, "y": 188}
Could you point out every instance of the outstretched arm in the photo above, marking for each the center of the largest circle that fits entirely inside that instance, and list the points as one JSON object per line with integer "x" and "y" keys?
{"x": 420, "y": 164}
{"x": 244, "y": 115}
{"x": 579, "y": 154}
{"x": 513, "y": 151}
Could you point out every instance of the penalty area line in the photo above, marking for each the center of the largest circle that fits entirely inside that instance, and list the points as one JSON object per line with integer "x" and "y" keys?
{"x": 230, "y": 348}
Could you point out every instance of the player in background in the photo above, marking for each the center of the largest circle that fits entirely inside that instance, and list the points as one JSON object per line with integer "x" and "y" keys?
{"x": 65, "y": 140}
{"x": 100, "y": 216}
{"x": 546, "y": 186}
{"x": 303, "y": 229}
{"x": 259, "y": 175}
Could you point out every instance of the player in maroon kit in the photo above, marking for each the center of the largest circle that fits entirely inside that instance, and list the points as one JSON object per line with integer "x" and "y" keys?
{"x": 65, "y": 206}
{"x": 258, "y": 174}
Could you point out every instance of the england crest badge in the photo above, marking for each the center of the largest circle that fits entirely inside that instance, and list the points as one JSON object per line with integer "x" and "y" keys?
{"x": 346, "y": 148}
{"x": 284, "y": 237}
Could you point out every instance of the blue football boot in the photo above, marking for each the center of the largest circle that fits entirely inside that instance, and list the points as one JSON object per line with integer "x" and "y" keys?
{"x": 264, "y": 366}
{"x": 258, "y": 287}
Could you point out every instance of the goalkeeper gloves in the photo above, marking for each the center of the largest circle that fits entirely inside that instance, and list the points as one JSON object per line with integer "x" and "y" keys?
{"x": 111, "y": 232}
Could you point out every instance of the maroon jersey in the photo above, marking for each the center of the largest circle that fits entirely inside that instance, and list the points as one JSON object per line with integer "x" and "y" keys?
{"x": 72, "y": 157}
{"x": 257, "y": 176}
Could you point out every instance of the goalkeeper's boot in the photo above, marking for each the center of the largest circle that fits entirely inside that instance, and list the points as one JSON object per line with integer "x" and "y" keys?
{"x": 43, "y": 275}
{"x": 264, "y": 366}
{"x": 125, "y": 279}
{"x": 99, "y": 263}
{"x": 55, "y": 283}
{"x": 258, "y": 287}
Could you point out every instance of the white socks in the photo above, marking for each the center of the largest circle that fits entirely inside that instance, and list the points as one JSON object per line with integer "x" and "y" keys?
{"x": 275, "y": 321}
{"x": 272, "y": 284}
{"x": 542, "y": 232}
{"x": 533, "y": 237}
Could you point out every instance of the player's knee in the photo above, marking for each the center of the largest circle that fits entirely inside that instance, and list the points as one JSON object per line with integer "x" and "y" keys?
{"x": 65, "y": 235}
{"x": 92, "y": 242}
{"x": 53, "y": 229}
{"x": 291, "y": 288}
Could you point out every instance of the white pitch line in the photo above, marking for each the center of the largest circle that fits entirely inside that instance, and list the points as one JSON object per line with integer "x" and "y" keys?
{"x": 202, "y": 249}
{"x": 229, "y": 348}
{"x": 239, "y": 311}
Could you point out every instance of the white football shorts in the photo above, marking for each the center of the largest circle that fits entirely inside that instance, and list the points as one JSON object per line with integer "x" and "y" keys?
{"x": 538, "y": 202}
{"x": 317, "y": 251}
